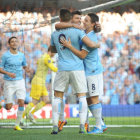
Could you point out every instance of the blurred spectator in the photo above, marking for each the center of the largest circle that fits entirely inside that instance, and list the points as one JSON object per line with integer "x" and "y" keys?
{"x": 119, "y": 52}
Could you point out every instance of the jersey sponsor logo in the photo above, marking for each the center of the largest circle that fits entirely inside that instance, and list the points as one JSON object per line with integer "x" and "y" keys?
{"x": 62, "y": 37}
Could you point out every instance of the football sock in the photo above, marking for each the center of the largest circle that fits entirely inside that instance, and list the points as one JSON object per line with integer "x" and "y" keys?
{"x": 96, "y": 110}
{"x": 19, "y": 115}
{"x": 82, "y": 110}
{"x": 38, "y": 107}
{"x": 27, "y": 109}
{"x": 62, "y": 117}
{"x": 56, "y": 109}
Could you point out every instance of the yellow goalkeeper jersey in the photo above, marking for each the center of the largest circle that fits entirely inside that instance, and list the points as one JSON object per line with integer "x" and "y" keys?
{"x": 43, "y": 64}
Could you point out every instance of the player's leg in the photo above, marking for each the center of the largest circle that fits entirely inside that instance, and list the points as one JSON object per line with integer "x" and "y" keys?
{"x": 19, "y": 114}
{"x": 35, "y": 94}
{"x": 94, "y": 84}
{"x": 60, "y": 83}
{"x": 79, "y": 84}
{"x": 20, "y": 94}
{"x": 31, "y": 106}
{"x": 96, "y": 110}
{"x": 56, "y": 109}
{"x": 62, "y": 120}
{"x": 43, "y": 95}
{"x": 87, "y": 128}
{"x": 9, "y": 91}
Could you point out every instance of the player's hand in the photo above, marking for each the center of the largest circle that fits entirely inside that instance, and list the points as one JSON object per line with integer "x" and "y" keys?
{"x": 77, "y": 26}
{"x": 66, "y": 43}
{"x": 12, "y": 75}
{"x": 98, "y": 45}
{"x": 97, "y": 27}
{"x": 27, "y": 69}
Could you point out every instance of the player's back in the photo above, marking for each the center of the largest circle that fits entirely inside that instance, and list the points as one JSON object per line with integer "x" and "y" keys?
{"x": 67, "y": 61}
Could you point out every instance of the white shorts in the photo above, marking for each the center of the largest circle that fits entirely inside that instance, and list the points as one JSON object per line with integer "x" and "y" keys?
{"x": 95, "y": 85}
{"x": 12, "y": 88}
{"x": 76, "y": 79}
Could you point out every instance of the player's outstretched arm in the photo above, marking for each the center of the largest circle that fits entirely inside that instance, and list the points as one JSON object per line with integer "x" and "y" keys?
{"x": 90, "y": 43}
{"x": 81, "y": 54}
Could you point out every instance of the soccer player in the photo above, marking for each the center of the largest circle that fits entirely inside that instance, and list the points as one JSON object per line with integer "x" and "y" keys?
{"x": 39, "y": 92}
{"x": 12, "y": 64}
{"x": 70, "y": 70}
{"x": 93, "y": 70}
{"x": 76, "y": 21}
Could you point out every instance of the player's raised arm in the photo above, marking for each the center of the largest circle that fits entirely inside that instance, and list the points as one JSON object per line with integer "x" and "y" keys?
{"x": 81, "y": 54}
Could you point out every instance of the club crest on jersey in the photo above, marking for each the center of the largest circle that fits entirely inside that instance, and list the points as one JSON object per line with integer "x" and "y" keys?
{"x": 61, "y": 37}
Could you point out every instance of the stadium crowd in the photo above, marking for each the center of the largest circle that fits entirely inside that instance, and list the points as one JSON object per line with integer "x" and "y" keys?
{"x": 119, "y": 51}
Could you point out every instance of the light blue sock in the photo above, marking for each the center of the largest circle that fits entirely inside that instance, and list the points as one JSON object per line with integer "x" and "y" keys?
{"x": 96, "y": 110}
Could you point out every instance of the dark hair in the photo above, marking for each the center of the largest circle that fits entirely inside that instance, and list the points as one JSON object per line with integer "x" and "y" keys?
{"x": 76, "y": 13}
{"x": 9, "y": 40}
{"x": 94, "y": 18}
{"x": 65, "y": 15}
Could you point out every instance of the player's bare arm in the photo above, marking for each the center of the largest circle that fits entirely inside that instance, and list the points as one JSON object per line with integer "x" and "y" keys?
{"x": 64, "y": 25}
{"x": 27, "y": 69}
{"x": 81, "y": 54}
{"x": 90, "y": 43}
{"x": 12, "y": 75}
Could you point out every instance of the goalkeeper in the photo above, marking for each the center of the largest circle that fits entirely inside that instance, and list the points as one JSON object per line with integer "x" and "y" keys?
{"x": 39, "y": 92}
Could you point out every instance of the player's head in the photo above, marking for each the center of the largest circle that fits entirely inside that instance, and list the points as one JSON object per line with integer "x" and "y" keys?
{"x": 65, "y": 15}
{"x": 76, "y": 17}
{"x": 13, "y": 42}
{"x": 50, "y": 53}
{"x": 90, "y": 21}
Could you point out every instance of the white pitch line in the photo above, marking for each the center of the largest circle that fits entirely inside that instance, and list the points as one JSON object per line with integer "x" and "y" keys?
{"x": 120, "y": 136}
{"x": 47, "y": 125}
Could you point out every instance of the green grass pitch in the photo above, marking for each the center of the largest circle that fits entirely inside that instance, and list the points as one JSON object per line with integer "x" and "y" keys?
{"x": 68, "y": 133}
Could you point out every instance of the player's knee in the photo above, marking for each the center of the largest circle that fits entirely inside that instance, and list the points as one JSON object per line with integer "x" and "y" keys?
{"x": 58, "y": 94}
{"x": 93, "y": 100}
{"x": 21, "y": 103}
{"x": 8, "y": 106}
{"x": 81, "y": 95}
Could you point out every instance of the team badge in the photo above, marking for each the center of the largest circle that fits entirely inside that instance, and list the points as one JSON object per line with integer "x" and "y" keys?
{"x": 61, "y": 37}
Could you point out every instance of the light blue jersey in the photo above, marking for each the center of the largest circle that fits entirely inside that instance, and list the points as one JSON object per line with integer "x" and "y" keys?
{"x": 92, "y": 62}
{"x": 68, "y": 61}
{"x": 13, "y": 63}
